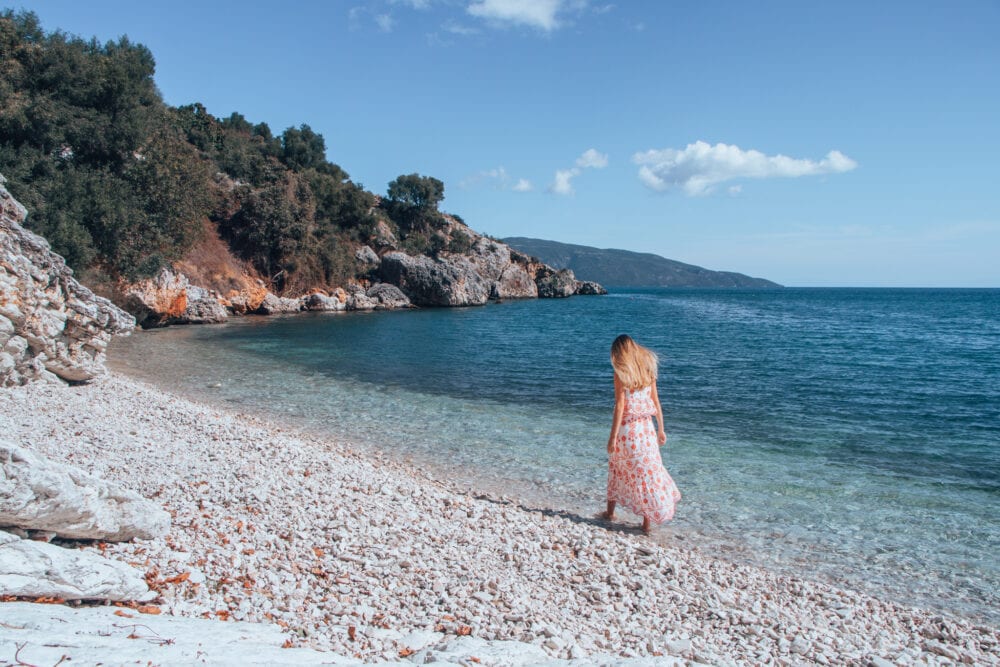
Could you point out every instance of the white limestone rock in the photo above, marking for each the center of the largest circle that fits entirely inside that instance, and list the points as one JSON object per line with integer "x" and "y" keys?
{"x": 39, "y": 569}
{"x": 387, "y": 297}
{"x": 509, "y": 279}
{"x": 99, "y": 635}
{"x": 273, "y": 305}
{"x": 443, "y": 281}
{"x": 39, "y": 494}
{"x": 50, "y": 324}
{"x": 321, "y": 302}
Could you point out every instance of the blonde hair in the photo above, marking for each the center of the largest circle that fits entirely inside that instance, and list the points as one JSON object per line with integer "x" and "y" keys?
{"x": 634, "y": 364}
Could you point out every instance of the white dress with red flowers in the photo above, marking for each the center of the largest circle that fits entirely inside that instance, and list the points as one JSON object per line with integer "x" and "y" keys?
{"x": 636, "y": 476}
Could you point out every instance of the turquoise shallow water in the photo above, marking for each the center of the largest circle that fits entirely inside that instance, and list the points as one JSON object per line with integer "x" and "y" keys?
{"x": 848, "y": 435}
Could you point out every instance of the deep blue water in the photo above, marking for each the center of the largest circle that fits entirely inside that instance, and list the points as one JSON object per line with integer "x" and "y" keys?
{"x": 849, "y": 434}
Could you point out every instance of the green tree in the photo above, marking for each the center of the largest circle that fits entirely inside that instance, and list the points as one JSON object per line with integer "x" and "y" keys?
{"x": 423, "y": 192}
{"x": 302, "y": 148}
{"x": 273, "y": 227}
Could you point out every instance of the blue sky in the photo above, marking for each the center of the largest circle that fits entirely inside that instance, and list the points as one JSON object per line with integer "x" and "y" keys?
{"x": 827, "y": 144}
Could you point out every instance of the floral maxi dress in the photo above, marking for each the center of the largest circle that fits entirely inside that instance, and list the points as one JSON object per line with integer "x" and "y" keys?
{"x": 636, "y": 476}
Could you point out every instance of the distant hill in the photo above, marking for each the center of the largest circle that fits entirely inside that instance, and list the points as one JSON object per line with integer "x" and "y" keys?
{"x": 623, "y": 268}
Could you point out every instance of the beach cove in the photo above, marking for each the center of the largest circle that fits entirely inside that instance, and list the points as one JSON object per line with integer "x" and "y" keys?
{"x": 365, "y": 557}
{"x": 843, "y": 436}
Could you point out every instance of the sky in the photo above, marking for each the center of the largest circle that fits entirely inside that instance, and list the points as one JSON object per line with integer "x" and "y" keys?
{"x": 813, "y": 144}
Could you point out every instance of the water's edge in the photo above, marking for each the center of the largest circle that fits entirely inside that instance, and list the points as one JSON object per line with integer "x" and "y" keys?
{"x": 752, "y": 494}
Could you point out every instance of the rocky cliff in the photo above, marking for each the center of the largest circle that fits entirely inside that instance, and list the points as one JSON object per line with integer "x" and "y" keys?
{"x": 51, "y": 326}
{"x": 484, "y": 269}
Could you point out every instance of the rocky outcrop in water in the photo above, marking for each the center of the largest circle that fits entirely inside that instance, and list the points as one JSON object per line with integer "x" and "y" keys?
{"x": 556, "y": 284}
{"x": 491, "y": 270}
{"x": 380, "y": 296}
{"x": 442, "y": 281}
{"x": 50, "y": 325}
{"x": 318, "y": 301}
{"x": 509, "y": 279}
{"x": 169, "y": 298}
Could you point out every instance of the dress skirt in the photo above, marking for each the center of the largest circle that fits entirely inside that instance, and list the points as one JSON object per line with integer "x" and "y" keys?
{"x": 636, "y": 476}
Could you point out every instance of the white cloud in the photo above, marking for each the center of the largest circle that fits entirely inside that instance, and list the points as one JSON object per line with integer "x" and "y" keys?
{"x": 459, "y": 29}
{"x": 539, "y": 14}
{"x": 384, "y": 22}
{"x": 563, "y": 184}
{"x": 699, "y": 167}
{"x": 498, "y": 178}
{"x": 591, "y": 158}
{"x": 416, "y": 4}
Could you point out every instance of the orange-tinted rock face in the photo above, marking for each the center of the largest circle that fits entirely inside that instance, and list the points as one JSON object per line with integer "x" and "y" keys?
{"x": 169, "y": 298}
{"x": 178, "y": 305}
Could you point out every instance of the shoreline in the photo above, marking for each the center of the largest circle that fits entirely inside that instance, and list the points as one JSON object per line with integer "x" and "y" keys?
{"x": 273, "y": 524}
{"x": 397, "y": 421}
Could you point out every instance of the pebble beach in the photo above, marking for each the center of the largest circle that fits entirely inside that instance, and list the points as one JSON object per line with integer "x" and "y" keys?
{"x": 368, "y": 558}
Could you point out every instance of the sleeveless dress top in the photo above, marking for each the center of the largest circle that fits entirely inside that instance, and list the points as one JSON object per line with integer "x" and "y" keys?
{"x": 636, "y": 476}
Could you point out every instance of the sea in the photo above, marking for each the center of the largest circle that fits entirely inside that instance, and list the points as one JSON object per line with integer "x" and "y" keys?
{"x": 850, "y": 436}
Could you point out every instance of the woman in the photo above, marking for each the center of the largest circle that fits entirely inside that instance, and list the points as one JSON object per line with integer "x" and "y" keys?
{"x": 636, "y": 476}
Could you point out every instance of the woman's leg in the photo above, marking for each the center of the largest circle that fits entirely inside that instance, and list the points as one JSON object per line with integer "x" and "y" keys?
{"x": 646, "y": 526}
{"x": 610, "y": 513}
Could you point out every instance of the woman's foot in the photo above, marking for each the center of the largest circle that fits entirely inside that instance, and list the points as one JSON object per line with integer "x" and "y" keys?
{"x": 646, "y": 526}
{"x": 609, "y": 514}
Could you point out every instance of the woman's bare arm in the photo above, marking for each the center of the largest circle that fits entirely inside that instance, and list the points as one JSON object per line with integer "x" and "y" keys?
{"x": 619, "y": 412}
{"x": 662, "y": 434}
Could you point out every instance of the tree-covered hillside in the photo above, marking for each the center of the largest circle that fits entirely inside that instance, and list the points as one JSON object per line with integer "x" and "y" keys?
{"x": 121, "y": 183}
{"x": 624, "y": 268}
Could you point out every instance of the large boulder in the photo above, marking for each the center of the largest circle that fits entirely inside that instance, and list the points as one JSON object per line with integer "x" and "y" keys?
{"x": 324, "y": 302}
{"x": 276, "y": 305}
{"x": 444, "y": 281}
{"x": 387, "y": 297}
{"x": 170, "y": 298}
{"x": 494, "y": 262}
{"x": 50, "y": 324}
{"x": 39, "y": 494}
{"x": 556, "y": 284}
{"x": 589, "y": 287}
{"x": 367, "y": 259}
{"x": 246, "y": 300}
{"x": 38, "y": 569}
